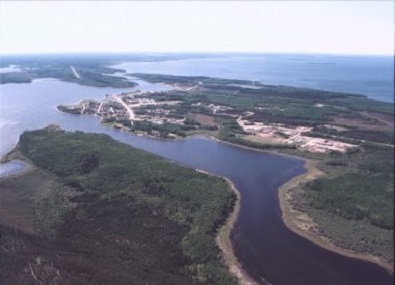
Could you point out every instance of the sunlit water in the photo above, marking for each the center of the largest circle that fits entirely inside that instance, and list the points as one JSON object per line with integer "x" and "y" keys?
{"x": 368, "y": 75}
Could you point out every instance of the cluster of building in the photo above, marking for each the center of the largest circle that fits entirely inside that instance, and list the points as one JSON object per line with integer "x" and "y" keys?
{"x": 136, "y": 102}
{"x": 289, "y": 135}
{"x": 120, "y": 108}
{"x": 324, "y": 145}
{"x": 214, "y": 108}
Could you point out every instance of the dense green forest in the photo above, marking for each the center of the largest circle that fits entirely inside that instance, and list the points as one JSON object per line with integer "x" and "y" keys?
{"x": 362, "y": 188}
{"x": 353, "y": 202}
{"x": 135, "y": 216}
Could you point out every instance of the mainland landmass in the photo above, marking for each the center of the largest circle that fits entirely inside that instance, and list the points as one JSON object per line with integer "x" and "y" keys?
{"x": 344, "y": 202}
{"x": 84, "y": 69}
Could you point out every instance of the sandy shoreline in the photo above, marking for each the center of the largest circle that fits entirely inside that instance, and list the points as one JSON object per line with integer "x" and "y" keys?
{"x": 223, "y": 238}
{"x": 224, "y": 243}
{"x": 299, "y": 222}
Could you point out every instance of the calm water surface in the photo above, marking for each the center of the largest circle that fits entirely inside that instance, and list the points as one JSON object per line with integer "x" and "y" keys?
{"x": 262, "y": 242}
{"x": 368, "y": 75}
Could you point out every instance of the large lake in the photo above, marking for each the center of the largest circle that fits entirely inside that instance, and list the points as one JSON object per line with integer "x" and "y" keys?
{"x": 265, "y": 247}
{"x": 368, "y": 75}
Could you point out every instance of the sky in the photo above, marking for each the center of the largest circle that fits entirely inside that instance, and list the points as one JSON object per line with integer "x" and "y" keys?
{"x": 332, "y": 27}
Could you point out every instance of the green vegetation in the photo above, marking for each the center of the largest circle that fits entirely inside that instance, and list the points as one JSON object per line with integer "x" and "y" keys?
{"x": 232, "y": 132}
{"x": 93, "y": 68}
{"x": 187, "y": 80}
{"x": 355, "y": 192}
{"x": 92, "y": 71}
{"x": 286, "y": 105}
{"x": 163, "y": 130}
{"x": 271, "y": 105}
{"x": 361, "y": 186}
{"x": 353, "y": 202}
{"x": 136, "y": 216}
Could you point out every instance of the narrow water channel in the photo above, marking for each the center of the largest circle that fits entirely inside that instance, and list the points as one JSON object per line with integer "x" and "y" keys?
{"x": 265, "y": 247}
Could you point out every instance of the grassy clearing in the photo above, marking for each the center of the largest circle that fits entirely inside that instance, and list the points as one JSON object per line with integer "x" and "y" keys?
{"x": 203, "y": 119}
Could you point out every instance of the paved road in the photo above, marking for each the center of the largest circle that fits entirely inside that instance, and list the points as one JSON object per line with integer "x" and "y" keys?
{"x": 130, "y": 111}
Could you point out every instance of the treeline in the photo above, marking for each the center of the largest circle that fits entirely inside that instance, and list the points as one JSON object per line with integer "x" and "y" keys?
{"x": 371, "y": 135}
{"x": 163, "y": 129}
{"x": 353, "y": 136}
{"x": 297, "y": 119}
{"x": 361, "y": 189}
{"x": 288, "y": 92}
{"x": 256, "y": 145}
{"x": 187, "y": 80}
{"x": 363, "y": 104}
{"x": 97, "y": 165}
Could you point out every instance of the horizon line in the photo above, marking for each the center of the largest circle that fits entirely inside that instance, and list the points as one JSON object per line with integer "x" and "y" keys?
{"x": 191, "y": 52}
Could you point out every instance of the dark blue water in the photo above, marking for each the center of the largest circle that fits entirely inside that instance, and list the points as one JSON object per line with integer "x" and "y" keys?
{"x": 367, "y": 75}
{"x": 262, "y": 243}
{"x": 265, "y": 247}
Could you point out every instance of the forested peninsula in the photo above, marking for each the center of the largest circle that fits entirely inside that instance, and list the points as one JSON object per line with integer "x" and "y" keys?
{"x": 95, "y": 211}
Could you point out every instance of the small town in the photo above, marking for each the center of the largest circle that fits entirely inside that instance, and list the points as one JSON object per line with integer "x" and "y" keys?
{"x": 122, "y": 110}
{"x": 122, "y": 107}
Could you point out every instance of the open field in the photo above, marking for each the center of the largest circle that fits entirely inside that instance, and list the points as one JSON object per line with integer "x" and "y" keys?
{"x": 203, "y": 119}
{"x": 385, "y": 118}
